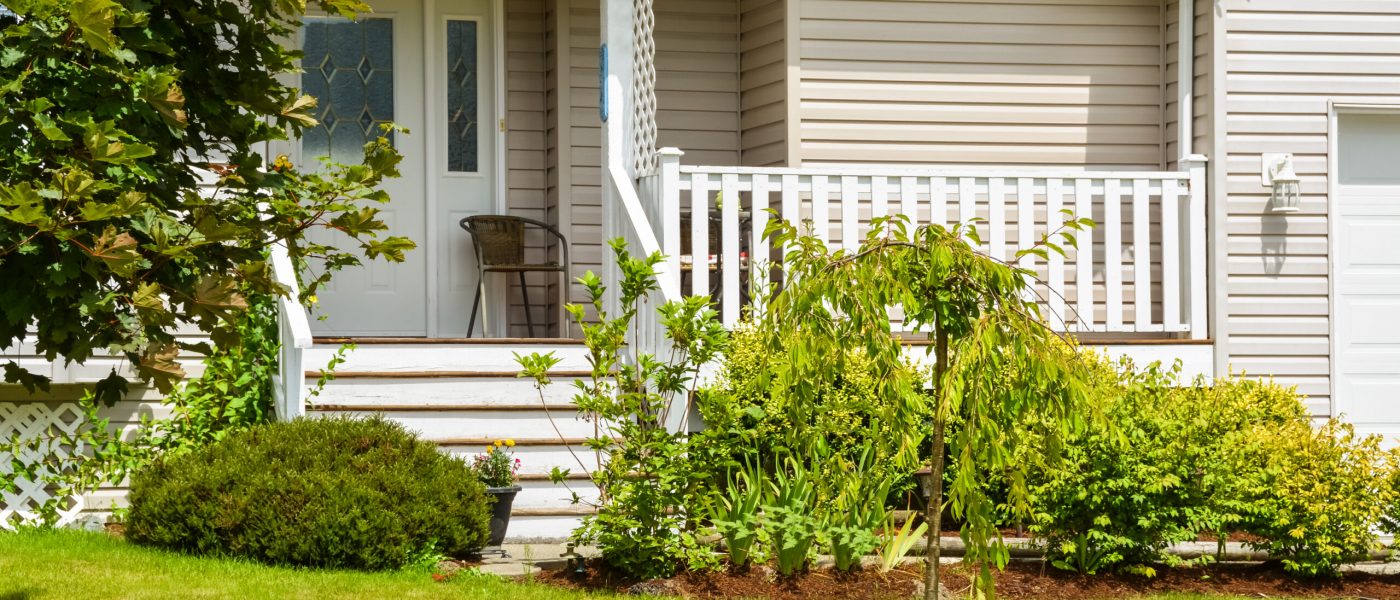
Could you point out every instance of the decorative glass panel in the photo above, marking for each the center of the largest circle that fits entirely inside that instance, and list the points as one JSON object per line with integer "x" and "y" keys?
{"x": 461, "y": 97}
{"x": 349, "y": 67}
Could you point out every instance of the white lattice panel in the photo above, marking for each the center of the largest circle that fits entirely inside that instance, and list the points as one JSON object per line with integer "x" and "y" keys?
{"x": 643, "y": 87}
{"x": 52, "y": 428}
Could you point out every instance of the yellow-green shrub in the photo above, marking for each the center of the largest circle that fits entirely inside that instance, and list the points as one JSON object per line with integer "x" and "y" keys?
{"x": 1162, "y": 466}
{"x": 1315, "y": 496}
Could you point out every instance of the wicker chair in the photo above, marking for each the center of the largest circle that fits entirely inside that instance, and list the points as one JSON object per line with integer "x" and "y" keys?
{"x": 499, "y": 241}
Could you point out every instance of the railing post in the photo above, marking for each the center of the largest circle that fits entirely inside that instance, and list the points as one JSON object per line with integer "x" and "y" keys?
{"x": 670, "y": 216}
{"x": 1195, "y": 235}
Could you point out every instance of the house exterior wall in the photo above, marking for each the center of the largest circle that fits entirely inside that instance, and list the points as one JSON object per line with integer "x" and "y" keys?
{"x": 763, "y": 89}
{"x": 1022, "y": 82}
{"x": 697, "y": 88}
{"x": 1285, "y": 61}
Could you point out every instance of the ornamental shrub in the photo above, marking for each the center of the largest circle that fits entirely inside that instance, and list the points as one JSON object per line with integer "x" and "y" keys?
{"x": 1164, "y": 465}
{"x": 1314, "y": 496}
{"x": 341, "y": 493}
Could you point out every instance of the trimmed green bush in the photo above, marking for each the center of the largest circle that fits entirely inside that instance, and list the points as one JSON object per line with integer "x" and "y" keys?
{"x": 1165, "y": 464}
{"x": 344, "y": 493}
{"x": 1314, "y": 495}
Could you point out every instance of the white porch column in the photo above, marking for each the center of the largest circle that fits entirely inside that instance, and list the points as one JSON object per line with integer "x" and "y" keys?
{"x": 1185, "y": 77}
{"x": 615, "y": 63}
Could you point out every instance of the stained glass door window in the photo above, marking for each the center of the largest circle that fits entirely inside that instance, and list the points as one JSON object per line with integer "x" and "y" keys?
{"x": 349, "y": 67}
{"x": 462, "y": 145}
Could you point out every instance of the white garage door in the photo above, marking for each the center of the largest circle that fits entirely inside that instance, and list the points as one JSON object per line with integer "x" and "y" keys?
{"x": 1366, "y": 260}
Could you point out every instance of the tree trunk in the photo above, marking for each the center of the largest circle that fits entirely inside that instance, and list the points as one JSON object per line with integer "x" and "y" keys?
{"x": 933, "y": 512}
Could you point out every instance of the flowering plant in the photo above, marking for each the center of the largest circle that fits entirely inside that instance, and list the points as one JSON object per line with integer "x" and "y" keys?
{"x": 497, "y": 467}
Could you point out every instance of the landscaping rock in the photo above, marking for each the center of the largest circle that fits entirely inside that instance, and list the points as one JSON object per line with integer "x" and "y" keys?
{"x": 943, "y": 593}
{"x": 656, "y": 587}
{"x": 449, "y": 567}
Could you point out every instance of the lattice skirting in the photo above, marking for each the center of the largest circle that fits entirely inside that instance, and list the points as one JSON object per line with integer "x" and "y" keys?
{"x": 32, "y": 421}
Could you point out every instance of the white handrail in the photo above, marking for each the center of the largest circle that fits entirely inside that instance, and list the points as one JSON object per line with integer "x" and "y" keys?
{"x": 289, "y": 391}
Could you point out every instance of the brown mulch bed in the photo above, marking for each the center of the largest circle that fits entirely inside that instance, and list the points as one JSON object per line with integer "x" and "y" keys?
{"x": 1021, "y": 581}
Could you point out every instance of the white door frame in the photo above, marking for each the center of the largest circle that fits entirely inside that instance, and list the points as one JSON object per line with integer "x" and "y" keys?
{"x": 498, "y": 125}
{"x": 1334, "y": 111}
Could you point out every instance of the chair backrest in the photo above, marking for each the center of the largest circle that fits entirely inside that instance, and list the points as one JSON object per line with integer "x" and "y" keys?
{"x": 499, "y": 239}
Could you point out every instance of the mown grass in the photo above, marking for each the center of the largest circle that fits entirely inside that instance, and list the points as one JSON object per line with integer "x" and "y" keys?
{"x": 71, "y": 564}
{"x": 37, "y": 565}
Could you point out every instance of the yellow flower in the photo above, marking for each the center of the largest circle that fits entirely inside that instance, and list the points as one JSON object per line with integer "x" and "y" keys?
{"x": 312, "y": 299}
{"x": 498, "y": 443}
{"x": 490, "y": 449}
{"x": 281, "y": 163}
{"x": 510, "y": 443}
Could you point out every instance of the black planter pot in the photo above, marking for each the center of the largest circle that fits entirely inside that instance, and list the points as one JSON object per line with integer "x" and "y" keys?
{"x": 500, "y": 512}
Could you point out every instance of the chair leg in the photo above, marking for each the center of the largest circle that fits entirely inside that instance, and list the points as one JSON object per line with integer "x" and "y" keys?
{"x": 471, "y": 323}
{"x": 525, "y": 294}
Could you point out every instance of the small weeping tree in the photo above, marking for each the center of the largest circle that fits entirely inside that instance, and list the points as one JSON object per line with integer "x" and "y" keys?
{"x": 996, "y": 365}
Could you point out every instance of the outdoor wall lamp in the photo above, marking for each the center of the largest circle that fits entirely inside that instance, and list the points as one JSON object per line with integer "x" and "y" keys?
{"x": 1279, "y": 175}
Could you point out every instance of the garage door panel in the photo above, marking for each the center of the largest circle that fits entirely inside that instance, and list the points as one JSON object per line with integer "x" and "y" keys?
{"x": 1366, "y": 262}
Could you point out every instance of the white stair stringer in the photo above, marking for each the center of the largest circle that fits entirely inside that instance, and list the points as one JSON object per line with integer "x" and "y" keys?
{"x": 463, "y": 396}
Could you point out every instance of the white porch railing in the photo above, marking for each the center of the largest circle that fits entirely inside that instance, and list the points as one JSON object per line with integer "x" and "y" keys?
{"x": 294, "y": 333}
{"x": 1141, "y": 270}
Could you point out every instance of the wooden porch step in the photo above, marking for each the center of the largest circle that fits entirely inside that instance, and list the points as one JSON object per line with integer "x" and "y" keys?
{"x": 439, "y": 407}
{"x": 481, "y": 441}
{"x": 449, "y": 341}
{"x": 441, "y": 374}
{"x": 563, "y": 511}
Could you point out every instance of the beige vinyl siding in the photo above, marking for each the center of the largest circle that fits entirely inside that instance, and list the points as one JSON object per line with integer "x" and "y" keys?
{"x": 1013, "y": 82}
{"x": 1201, "y": 89}
{"x": 1286, "y": 59}
{"x": 697, "y": 88}
{"x": 526, "y": 156}
{"x": 763, "y": 83}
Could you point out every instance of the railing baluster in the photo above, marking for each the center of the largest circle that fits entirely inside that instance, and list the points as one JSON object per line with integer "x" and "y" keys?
{"x": 821, "y": 208}
{"x": 879, "y": 197}
{"x": 729, "y": 243}
{"x": 1171, "y": 257}
{"x": 909, "y": 200}
{"x": 996, "y": 212}
{"x": 759, "y": 259}
{"x": 700, "y": 235}
{"x": 850, "y": 213}
{"x": 967, "y": 200}
{"x": 1025, "y": 227}
{"x": 1113, "y": 253}
{"x": 1142, "y": 256}
{"x": 1055, "y": 270}
{"x": 938, "y": 200}
{"x": 1084, "y": 258}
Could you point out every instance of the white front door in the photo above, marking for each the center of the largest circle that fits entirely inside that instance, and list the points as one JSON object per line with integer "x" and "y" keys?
{"x": 433, "y": 74}
{"x": 1367, "y": 269}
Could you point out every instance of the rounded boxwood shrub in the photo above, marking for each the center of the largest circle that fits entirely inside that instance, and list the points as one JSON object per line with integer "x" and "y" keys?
{"x": 345, "y": 493}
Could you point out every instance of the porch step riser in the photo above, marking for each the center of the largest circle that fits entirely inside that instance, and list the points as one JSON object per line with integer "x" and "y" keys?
{"x": 445, "y": 391}
{"x": 450, "y": 424}
{"x": 462, "y": 396}
{"x": 443, "y": 357}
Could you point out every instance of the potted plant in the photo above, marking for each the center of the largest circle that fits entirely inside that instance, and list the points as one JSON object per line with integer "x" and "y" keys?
{"x": 497, "y": 468}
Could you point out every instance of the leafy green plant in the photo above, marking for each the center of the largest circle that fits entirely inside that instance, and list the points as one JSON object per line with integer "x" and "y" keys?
{"x": 115, "y": 116}
{"x": 857, "y": 511}
{"x": 788, "y": 518}
{"x": 994, "y": 361}
{"x": 736, "y": 515}
{"x": 644, "y": 481}
{"x": 1166, "y": 464}
{"x": 345, "y": 493}
{"x": 895, "y": 544}
{"x": 1319, "y": 497}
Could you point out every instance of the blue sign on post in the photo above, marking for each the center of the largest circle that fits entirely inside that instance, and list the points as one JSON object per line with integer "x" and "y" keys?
{"x": 603, "y": 82}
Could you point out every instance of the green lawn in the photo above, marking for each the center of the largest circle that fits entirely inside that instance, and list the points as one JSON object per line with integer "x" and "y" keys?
{"x": 71, "y": 564}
